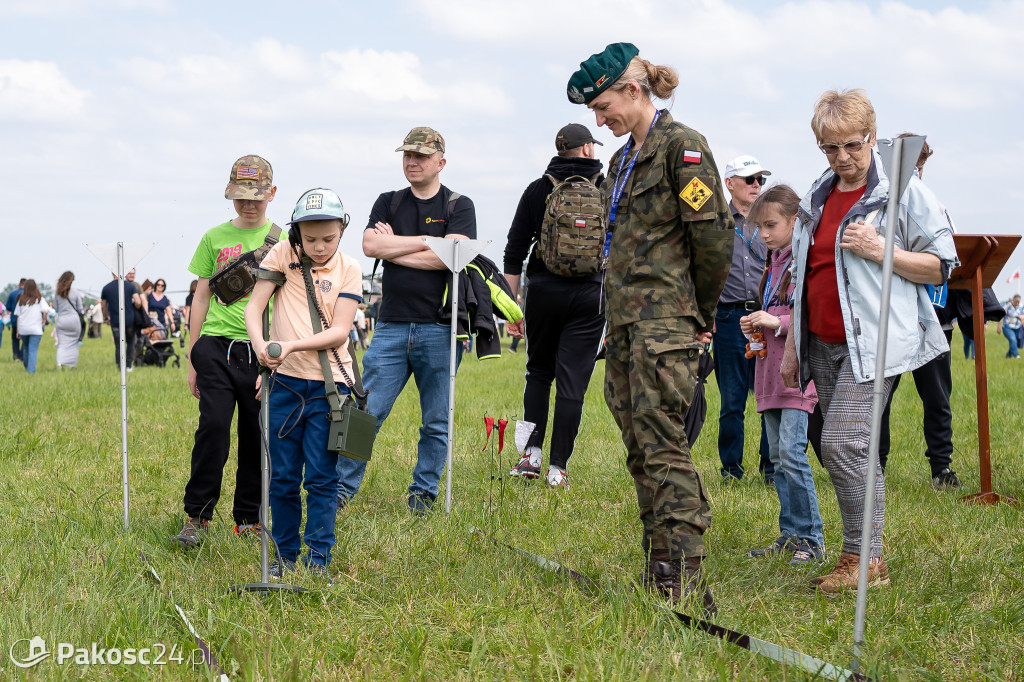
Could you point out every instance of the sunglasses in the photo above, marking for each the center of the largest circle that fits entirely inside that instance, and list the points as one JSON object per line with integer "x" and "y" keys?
{"x": 751, "y": 179}
{"x": 849, "y": 147}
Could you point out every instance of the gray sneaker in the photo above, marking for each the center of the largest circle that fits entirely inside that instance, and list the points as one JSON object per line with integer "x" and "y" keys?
{"x": 192, "y": 533}
{"x": 807, "y": 554}
{"x": 279, "y": 567}
{"x": 781, "y": 545}
{"x": 320, "y": 571}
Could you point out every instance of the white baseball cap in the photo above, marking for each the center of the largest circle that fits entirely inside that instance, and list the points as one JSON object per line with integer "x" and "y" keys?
{"x": 744, "y": 166}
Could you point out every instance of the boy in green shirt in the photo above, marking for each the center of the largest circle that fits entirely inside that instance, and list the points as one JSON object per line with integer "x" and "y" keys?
{"x": 222, "y": 368}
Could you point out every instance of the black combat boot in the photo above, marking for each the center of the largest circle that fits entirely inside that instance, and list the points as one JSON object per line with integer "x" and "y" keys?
{"x": 695, "y": 584}
{"x": 666, "y": 576}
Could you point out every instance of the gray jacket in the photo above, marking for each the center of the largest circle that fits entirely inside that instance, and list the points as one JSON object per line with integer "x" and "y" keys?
{"x": 914, "y": 334}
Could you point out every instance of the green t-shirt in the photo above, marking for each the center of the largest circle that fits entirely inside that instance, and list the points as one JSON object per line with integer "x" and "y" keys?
{"x": 218, "y": 246}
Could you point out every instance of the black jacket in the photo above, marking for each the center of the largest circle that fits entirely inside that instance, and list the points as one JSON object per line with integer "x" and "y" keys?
{"x": 525, "y": 230}
{"x": 483, "y": 293}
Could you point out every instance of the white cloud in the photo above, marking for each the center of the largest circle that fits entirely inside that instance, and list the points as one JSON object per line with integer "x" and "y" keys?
{"x": 32, "y": 91}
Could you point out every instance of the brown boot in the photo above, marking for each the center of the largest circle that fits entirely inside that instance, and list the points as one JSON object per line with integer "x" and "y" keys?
{"x": 844, "y": 575}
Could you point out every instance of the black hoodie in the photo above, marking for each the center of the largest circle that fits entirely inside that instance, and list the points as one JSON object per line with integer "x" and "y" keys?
{"x": 525, "y": 229}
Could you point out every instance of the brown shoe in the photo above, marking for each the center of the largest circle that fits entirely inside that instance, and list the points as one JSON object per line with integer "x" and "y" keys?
{"x": 844, "y": 575}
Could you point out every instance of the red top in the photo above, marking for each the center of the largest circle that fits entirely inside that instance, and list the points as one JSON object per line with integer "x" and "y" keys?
{"x": 825, "y": 317}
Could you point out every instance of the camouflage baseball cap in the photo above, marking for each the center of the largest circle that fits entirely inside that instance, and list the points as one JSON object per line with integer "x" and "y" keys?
{"x": 251, "y": 178}
{"x": 600, "y": 71}
{"x": 422, "y": 140}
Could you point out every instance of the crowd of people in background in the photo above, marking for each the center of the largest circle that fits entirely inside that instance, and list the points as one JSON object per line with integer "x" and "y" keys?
{"x": 736, "y": 283}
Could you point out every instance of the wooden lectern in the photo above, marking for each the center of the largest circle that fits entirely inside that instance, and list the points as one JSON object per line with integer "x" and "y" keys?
{"x": 982, "y": 257}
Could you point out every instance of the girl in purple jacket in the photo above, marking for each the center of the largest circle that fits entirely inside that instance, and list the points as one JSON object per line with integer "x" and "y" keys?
{"x": 785, "y": 409}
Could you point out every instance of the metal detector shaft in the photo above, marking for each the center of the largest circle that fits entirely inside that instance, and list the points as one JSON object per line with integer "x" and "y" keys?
{"x": 265, "y": 453}
{"x": 877, "y": 403}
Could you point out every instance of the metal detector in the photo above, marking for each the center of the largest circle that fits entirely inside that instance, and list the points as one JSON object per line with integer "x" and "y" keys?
{"x": 264, "y": 585}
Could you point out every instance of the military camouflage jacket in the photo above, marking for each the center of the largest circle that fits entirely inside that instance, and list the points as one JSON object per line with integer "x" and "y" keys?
{"x": 672, "y": 240}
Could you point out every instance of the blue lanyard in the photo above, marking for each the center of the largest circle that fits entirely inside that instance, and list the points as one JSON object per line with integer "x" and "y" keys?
{"x": 620, "y": 179}
{"x": 620, "y": 184}
{"x": 769, "y": 293}
{"x": 750, "y": 244}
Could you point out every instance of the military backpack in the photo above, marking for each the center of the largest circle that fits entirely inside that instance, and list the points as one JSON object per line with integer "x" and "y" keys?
{"x": 572, "y": 234}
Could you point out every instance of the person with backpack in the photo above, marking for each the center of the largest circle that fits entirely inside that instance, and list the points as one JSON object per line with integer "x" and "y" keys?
{"x": 409, "y": 339}
{"x": 559, "y": 230}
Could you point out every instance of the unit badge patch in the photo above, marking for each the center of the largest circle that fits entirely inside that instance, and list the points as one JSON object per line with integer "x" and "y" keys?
{"x": 314, "y": 202}
{"x": 696, "y": 194}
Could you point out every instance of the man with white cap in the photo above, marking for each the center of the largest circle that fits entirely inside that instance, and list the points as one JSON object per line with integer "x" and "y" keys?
{"x": 744, "y": 178}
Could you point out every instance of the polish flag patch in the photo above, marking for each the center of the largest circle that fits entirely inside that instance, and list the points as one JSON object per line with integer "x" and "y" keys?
{"x": 691, "y": 156}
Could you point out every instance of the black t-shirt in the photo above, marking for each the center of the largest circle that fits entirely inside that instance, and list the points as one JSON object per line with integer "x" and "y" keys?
{"x": 109, "y": 294}
{"x": 411, "y": 295}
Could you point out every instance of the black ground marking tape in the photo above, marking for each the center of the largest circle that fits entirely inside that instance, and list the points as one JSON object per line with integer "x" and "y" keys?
{"x": 208, "y": 657}
{"x": 748, "y": 642}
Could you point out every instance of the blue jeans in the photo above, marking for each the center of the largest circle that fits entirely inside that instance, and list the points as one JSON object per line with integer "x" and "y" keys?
{"x": 1014, "y": 337}
{"x": 298, "y": 440}
{"x": 798, "y": 501}
{"x": 397, "y": 351}
{"x": 30, "y": 351}
{"x": 735, "y": 376}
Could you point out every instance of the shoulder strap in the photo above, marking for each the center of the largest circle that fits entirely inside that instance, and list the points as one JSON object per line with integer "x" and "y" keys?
{"x": 396, "y": 200}
{"x": 333, "y": 397}
{"x": 273, "y": 236}
{"x": 452, "y": 198}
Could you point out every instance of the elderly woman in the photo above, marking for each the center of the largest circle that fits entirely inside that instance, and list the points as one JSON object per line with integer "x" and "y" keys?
{"x": 670, "y": 250}
{"x": 837, "y": 254}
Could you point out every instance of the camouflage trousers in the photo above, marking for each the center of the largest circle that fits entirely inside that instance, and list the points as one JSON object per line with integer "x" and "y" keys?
{"x": 650, "y": 375}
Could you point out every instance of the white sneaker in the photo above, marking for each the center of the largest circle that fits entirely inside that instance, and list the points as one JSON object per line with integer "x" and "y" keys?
{"x": 557, "y": 479}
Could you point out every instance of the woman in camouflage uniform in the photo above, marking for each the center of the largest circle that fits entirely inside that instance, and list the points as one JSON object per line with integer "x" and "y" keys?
{"x": 668, "y": 258}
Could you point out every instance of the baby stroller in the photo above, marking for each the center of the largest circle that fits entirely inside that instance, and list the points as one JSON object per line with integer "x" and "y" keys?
{"x": 154, "y": 348}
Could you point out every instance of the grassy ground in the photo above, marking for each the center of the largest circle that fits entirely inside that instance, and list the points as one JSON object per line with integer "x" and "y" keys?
{"x": 421, "y": 599}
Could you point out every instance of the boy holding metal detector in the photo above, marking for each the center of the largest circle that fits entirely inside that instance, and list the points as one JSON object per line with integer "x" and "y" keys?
{"x": 316, "y": 291}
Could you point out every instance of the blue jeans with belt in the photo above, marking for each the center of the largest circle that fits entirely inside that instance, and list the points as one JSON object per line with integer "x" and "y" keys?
{"x": 735, "y": 376}
{"x": 397, "y": 351}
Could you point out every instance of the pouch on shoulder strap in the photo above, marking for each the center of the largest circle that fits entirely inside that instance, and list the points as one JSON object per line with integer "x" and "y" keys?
{"x": 237, "y": 278}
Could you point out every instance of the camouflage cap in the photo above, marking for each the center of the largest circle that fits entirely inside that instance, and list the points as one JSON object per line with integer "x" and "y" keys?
{"x": 251, "y": 178}
{"x": 600, "y": 71}
{"x": 422, "y": 140}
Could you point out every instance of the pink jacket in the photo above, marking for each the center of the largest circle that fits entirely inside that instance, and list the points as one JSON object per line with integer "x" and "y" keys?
{"x": 769, "y": 390}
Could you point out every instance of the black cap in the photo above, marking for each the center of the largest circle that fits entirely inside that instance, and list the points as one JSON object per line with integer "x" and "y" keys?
{"x": 572, "y": 136}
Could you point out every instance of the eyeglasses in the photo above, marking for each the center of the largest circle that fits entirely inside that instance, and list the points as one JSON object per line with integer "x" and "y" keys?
{"x": 751, "y": 179}
{"x": 849, "y": 147}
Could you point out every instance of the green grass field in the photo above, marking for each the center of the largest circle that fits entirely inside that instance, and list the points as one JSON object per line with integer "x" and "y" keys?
{"x": 421, "y": 599}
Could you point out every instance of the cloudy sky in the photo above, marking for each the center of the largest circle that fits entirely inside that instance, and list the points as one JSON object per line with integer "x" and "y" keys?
{"x": 119, "y": 119}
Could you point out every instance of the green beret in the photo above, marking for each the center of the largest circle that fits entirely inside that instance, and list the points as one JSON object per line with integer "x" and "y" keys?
{"x": 600, "y": 71}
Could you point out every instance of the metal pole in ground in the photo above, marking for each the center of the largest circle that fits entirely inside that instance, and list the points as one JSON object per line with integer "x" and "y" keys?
{"x": 451, "y": 378}
{"x": 455, "y": 254}
{"x": 124, "y": 377}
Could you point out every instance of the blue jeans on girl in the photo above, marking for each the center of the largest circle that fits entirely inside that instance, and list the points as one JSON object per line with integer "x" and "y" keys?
{"x": 30, "y": 351}
{"x": 298, "y": 440}
{"x": 798, "y": 501}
